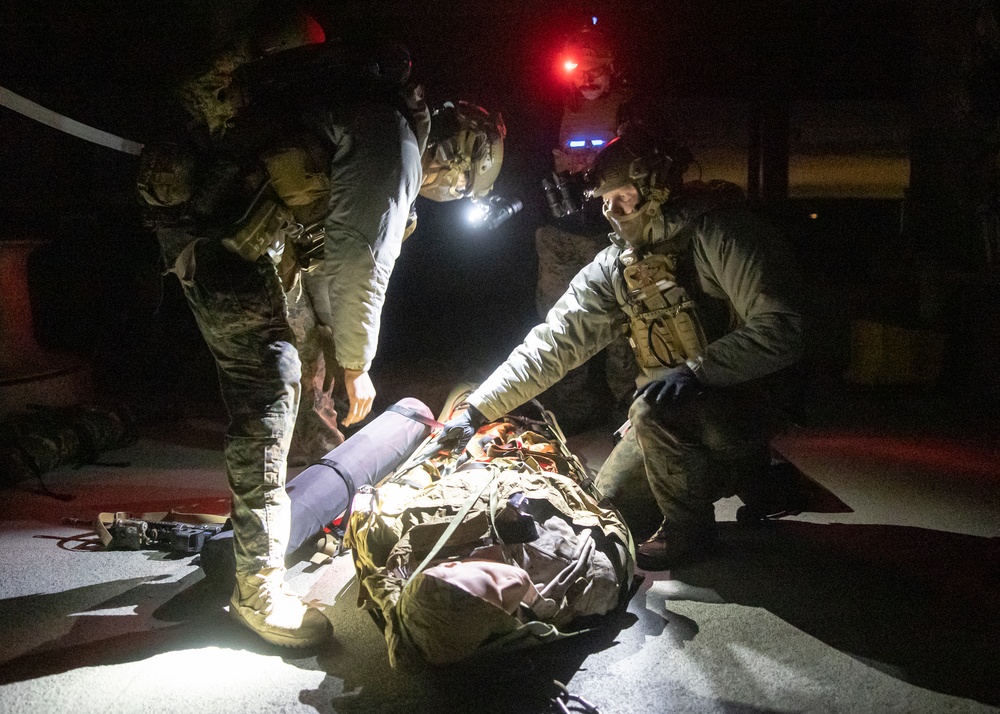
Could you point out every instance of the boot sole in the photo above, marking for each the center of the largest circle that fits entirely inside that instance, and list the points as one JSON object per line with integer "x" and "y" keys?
{"x": 655, "y": 565}
{"x": 693, "y": 555}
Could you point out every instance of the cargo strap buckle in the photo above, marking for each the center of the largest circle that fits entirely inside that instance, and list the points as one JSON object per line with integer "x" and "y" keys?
{"x": 566, "y": 703}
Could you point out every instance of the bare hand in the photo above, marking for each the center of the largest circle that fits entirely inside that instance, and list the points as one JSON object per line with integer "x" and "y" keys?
{"x": 360, "y": 393}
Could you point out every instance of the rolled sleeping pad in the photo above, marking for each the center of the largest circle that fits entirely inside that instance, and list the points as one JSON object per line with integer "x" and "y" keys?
{"x": 324, "y": 490}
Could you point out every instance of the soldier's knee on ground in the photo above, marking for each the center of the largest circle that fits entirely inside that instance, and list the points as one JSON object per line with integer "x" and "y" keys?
{"x": 623, "y": 483}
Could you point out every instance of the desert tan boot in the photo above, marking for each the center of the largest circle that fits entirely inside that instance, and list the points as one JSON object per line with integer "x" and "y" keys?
{"x": 263, "y": 602}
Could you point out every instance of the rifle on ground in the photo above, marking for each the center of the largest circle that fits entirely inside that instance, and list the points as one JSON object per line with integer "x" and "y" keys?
{"x": 178, "y": 532}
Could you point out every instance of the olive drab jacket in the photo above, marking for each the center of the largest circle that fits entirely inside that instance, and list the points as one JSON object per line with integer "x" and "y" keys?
{"x": 738, "y": 272}
{"x": 374, "y": 179}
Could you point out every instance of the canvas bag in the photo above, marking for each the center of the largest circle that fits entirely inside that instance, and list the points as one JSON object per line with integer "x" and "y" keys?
{"x": 505, "y": 552}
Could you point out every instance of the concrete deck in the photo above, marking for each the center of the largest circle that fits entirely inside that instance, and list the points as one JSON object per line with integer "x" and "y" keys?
{"x": 885, "y": 603}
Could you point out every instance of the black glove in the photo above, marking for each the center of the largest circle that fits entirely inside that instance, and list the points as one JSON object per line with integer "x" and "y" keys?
{"x": 455, "y": 434}
{"x": 676, "y": 388}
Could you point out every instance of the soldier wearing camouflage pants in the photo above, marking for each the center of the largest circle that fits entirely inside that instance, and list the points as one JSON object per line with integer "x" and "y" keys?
{"x": 217, "y": 228}
{"x": 240, "y": 310}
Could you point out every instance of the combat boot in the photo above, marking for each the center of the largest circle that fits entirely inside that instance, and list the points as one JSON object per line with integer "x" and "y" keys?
{"x": 673, "y": 545}
{"x": 263, "y": 602}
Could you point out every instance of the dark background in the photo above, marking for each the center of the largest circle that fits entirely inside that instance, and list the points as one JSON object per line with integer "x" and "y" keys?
{"x": 459, "y": 299}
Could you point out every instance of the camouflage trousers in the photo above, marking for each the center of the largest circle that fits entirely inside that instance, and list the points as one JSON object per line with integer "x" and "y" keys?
{"x": 240, "y": 310}
{"x": 316, "y": 431}
{"x": 674, "y": 468}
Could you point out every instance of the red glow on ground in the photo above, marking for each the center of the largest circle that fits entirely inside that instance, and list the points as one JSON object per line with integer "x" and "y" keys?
{"x": 26, "y": 501}
{"x": 927, "y": 454}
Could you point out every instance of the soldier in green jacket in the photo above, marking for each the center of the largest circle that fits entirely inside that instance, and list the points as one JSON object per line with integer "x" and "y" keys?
{"x": 377, "y": 161}
{"x": 709, "y": 299}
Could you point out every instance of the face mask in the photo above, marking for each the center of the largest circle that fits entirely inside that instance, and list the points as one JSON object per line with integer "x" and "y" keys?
{"x": 642, "y": 227}
{"x": 594, "y": 87}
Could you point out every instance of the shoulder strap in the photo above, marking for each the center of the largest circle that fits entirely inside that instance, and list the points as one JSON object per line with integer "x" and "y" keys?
{"x": 455, "y": 523}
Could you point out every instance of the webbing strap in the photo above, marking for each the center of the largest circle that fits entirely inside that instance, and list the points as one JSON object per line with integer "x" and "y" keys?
{"x": 351, "y": 489}
{"x": 414, "y": 415}
{"x": 50, "y": 118}
{"x": 456, "y": 521}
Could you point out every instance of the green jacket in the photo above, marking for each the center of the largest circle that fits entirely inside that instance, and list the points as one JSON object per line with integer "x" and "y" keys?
{"x": 375, "y": 175}
{"x": 738, "y": 265}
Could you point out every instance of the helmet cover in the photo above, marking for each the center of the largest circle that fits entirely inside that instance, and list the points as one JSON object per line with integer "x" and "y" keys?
{"x": 464, "y": 153}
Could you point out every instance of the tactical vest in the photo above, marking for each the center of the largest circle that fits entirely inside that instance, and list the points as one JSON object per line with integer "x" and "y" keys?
{"x": 663, "y": 327}
{"x": 585, "y": 130}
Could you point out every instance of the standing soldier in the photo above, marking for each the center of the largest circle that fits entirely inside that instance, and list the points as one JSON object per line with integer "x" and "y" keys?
{"x": 227, "y": 199}
{"x": 593, "y": 112}
{"x": 363, "y": 214}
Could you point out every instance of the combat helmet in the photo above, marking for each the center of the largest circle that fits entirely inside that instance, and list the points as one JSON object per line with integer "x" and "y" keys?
{"x": 464, "y": 152}
{"x": 587, "y": 50}
{"x": 636, "y": 157}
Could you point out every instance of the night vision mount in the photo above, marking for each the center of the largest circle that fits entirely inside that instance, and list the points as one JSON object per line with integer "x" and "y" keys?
{"x": 494, "y": 211}
{"x": 567, "y": 193}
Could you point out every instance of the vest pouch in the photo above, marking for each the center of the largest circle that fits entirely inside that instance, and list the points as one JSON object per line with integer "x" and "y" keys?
{"x": 664, "y": 329}
{"x": 297, "y": 174}
{"x": 264, "y": 231}
{"x": 165, "y": 177}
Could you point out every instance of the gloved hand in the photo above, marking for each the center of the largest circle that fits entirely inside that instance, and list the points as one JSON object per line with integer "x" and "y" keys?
{"x": 455, "y": 434}
{"x": 676, "y": 388}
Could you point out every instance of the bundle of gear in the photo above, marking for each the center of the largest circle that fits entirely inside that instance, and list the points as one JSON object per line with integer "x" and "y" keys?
{"x": 500, "y": 547}
{"x": 43, "y": 438}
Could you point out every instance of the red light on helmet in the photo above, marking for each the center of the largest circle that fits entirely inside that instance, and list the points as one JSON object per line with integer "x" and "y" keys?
{"x": 569, "y": 65}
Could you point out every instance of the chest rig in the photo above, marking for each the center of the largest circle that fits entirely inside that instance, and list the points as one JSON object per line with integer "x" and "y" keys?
{"x": 663, "y": 327}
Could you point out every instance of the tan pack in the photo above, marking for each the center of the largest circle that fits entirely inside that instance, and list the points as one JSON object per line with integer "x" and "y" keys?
{"x": 264, "y": 229}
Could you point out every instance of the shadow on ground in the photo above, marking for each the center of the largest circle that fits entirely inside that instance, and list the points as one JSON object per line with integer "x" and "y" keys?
{"x": 509, "y": 682}
{"x": 88, "y": 626}
{"x": 917, "y": 604}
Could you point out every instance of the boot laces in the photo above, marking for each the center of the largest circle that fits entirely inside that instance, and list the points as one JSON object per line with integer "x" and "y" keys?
{"x": 271, "y": 590}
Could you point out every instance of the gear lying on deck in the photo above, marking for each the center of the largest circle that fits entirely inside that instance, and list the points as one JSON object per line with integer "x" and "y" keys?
{"x": 501, "y": 547}
{"x": 43, "y": 438}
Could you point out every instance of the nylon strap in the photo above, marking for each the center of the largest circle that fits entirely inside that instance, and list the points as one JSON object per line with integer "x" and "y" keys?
{"x": 351, "y": 488}
{"x": 414, "y": 415}
{"x": 351, "y": 491}
{"x": 72, "y": 127}
{"x": 456, "y": 521}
